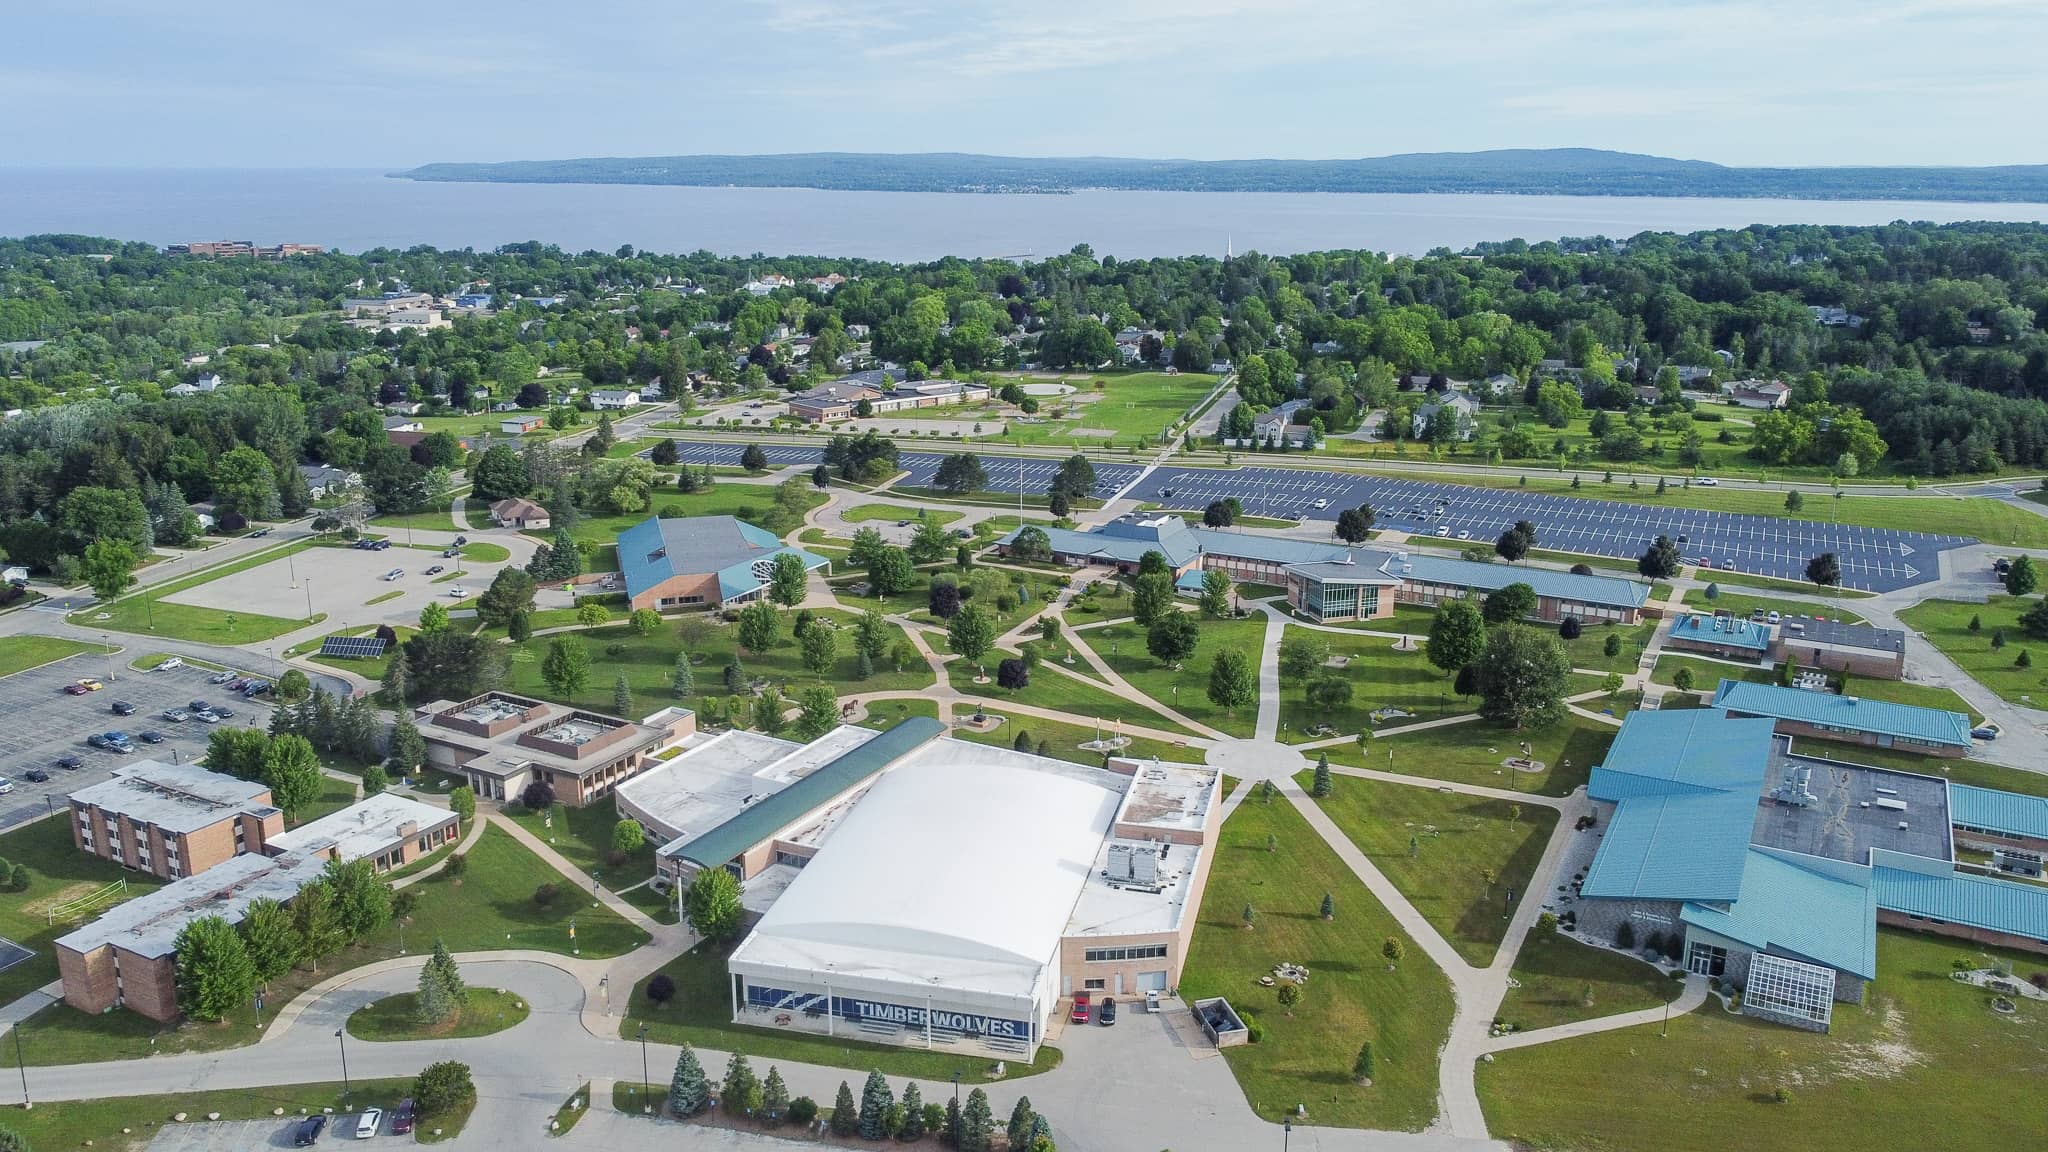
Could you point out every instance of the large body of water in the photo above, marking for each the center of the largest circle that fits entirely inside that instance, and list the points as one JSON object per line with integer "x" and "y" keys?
{"x": 354, "y": 210}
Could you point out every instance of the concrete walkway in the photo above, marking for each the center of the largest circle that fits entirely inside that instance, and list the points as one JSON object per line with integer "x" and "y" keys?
{"x": 1695, "y": 994}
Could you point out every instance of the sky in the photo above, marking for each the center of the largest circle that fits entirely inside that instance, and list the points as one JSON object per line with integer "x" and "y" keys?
{"x": 263, "y": 83}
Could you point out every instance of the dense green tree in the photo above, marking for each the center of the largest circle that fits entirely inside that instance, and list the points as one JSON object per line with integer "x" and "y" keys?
{"x": 758, "y": 626}
{"x": 1522, "y": 676}
{"x": 1173, "y": 637}
{"x": 566, "y": 667}
{"x": 214, "y": 974}
{"x": 712, "y": 905}
{"x": 1456, "y": 635}
{"x": 291, "y": 770}
{"x": 1233, "y": 681}
{"x": 270, "y": 939}
{"x": 971, "y": 633}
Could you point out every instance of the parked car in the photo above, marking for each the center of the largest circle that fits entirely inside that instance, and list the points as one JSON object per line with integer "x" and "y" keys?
{"x": 367, "y": 1125}
{"x": 1444, "y": 530}
{"x": 169, "y": 663}
{"x": 36, "y": 776}
{"x": 394, "y": 574}
{"x": 220, "y": 677}
{"x": 198, "y": 706}
{"x": 306, "y": 1133}
{"x": 458, "y": 593}
{"x": 1106, "y": 1015}
{"x": 1707, "y": 482}
{"x": 90, "y": 684}
{"x": 1320, "y": 504}
{"x": 70, "y": 762}
{"x": 1080, "y": 1013}
{"x": 401, "y": 1120}
{"x": 76, "y": 689}
{"x": 6, "y": 785}
{"x": 1771, "y": 618}
{"x": 237, "y": 684}
{"x": 1985, "y": 732}
{"x": 222, "y": 712}
{"x": 362, "y": 545}
{"x": 2002, "y": 565}
{"x": 122, "y": 708}
{"x": 174, "y": 715}
{"x": 435, "y": 570}
{"x": 1464, "y": 534}
{"x": 150, "y": 736}
{"x": 1152, "y": 1000}
{"x": 257, "y": 688}
{"x": 206, "y": 715}
{"x": 379, "y": 545}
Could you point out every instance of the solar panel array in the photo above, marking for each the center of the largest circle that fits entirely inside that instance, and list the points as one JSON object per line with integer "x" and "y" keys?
{"x": 353, "y": 647}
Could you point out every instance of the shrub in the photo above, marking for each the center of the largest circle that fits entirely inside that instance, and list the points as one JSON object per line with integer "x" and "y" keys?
{"x": 456, "y": 865}
{"x": 1781, "y": 1095}
{"x": 662, "y": 988}
{"x": 441, "y": 1087}
{"x": 546, "y": 894}
{"x": 1625, "y": 936}
{"x": 803, "y": 1110}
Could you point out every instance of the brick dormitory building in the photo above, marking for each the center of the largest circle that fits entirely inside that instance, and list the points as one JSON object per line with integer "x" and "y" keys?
{"x": 499, "y": 743}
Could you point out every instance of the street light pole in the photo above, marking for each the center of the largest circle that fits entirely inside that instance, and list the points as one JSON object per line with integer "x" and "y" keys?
{"x": 1286, "y": 1133}
{"x": 22, "y": 1067}
{"x": 346, "y": 1092}
{"x": 644, "y": 1085}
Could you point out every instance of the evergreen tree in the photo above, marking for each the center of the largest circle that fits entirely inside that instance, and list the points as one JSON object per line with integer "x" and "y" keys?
{"x": 688, "y": 1093}
{"x": 683, "y": 680}
{"x": 774, "y": 1096}
{"x": 1329, "y": 906}
{"x": 845, "y": 1117}
{"x": 863, "y": 666}
{"x": 875, "y": 1100}
{"x": 622, "y": 697}
{"x": 432, "y": 1005}
{"x": 1321, "y": 786}
{"x": 949, "y": 1133}
{"x": 741, "y": 1094}
{"x": 520, "y": 628}
{"x": 1362, "y": 1064}
{"x": 977, "y": 1126}
{"x": 393, "y": 690}
{"x": 408, "y": 749}
{"x": 442, "y": 965}
{"x": 913, "y": 1114}
{"x": 1021, "y": 1121}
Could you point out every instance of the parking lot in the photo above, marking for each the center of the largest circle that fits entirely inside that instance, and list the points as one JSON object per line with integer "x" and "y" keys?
{"x": 1875, "y": 559}
{"x": 1008, "y": 474}
{"x": 39, "y": 723}
{"x": 235, "y": 1135}
{"x": 339, "y": 582}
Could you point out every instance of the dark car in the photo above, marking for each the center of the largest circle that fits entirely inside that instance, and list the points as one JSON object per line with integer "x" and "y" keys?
{"x": 238, "y": 683}
{"x": 362, "y": 545}
{"x": 70, "y": 763}
{"x": 461, "y": 540}
{"x": 401, "y": 1120}
{"x": 36, "y": 776}
{"x": 223, "y": 711}
{"x": 199, "y": 706}
{"x": 150, "y": 736}
{"x": 259, "y": 688}
{"x": 123, "y": 708}
{"x": 76, "y": 689}
{"x": 1106, "y": 1014}
{"x": 259, "y": 534}
{"x": 435, "y": 570}
{"x": 306, "y": 1133}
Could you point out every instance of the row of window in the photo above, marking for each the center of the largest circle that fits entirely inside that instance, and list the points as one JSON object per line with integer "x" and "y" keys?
{"x": 1135, "y": 952}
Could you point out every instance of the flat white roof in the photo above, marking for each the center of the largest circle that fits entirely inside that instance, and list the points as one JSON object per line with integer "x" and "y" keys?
{"x": 959, "y": 869}
{"x": 364, "y": 828}
{"x": 1111, "y": 905}
{"x": 1174, "y": 797}
{"x": 716, "y": 778}
{"x": 174, "y": 797}
{"x": 149, "y": 924}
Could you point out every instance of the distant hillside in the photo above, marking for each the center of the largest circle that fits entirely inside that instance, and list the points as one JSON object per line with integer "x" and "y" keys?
{"x": 1555, "y": 171}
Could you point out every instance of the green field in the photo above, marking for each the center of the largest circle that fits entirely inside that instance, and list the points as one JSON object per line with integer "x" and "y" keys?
{"x": 1437, "y": 848}
{"x": 1707, "y": 673}
{"x": 1305, "y": 1058}
{"x": 148, "y": 611}
{"x": 1081, "y": 698}
{"x": 1556, "y": 974}
{"x": 1946, "y": 625}
{"x": 1129, "y": 405}
{"x": 58, "y": 872}
{"x": 115, "y": 1123}
{"x": 1472, "y": 753}
{"x": 1590, "y": 649}
{"x": 701, "y": 1014}
{"x": 484, "y": 1011}
{"x": 1122, "y": 646}
{"x": 1380, "y": 678}
{"x": 861, "y": 513}
{"x": 1912, "y": 1067}
{"x": 583, "y": 836}
{"x": 21, "y": 653}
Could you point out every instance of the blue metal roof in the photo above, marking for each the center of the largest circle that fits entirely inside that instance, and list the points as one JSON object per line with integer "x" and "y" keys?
{"x": 1685, "y": 786}
{"x": 1727, "y": 631}
{"x": 1607, "y": 591}
{"x": 1822, "y": 910}
{"x": 1996, "y": 811}
{"x": 1856, "y": 714}
{"x": 1960, "y": 898}
{"x": 1699, "y": 747}
{"x": 659, "y": 549}
{"x": 1179, "y": 548}
{"x": 1271, "y": 549}
{"x": 1192, "y": 580}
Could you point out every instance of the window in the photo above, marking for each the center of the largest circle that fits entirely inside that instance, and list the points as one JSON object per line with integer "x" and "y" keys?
{"x": 1781, "y": 987}
{"x": 1136, "y": 952}
{"x": 1092, "y": 985}
{"x": 1706, "y": 960}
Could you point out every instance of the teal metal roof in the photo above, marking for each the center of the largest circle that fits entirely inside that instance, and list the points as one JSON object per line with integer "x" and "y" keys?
{"x": 1960, "y": 898}
{"x": 1726, "y": 631}
{"x": 1178, "y": 547}
{"x": 1192, "y": 580}
{"x": 658, "y": 549}
{"x": 1271, "y": 549}
{"x": 1607, "y": 591}
{"x": 763, "y": 819}
{"x": 1805, "y": 906}
{"x": 1996, "y": 811}
{"x": 1685, "y": 786}
{"x": 1856, "y": 714}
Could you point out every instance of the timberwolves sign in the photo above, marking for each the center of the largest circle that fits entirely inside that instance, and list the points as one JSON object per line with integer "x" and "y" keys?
{"x": 883, "y": 1012}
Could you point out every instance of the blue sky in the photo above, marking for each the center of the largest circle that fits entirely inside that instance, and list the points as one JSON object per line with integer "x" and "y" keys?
{"x": 264, "y": 83}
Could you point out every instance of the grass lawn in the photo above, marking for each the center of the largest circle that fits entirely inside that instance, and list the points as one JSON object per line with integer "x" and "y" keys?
{"x": 372, "y": 667}
{"x": 861, "y": 513}
{"x": 1909, "y": 1068}
{"x": 1081, "y": 699}
{"x": 1472, "y": 753}
{"x": 1062, "y": 741}
{"x": 648, "y": 663}
{"x": 1123, "y": 647}
{"x": 58, "y": 872}
{"x": 1350, "y": 998}
{"x": 584, "y": 837}
{"x": 1455, "y": 840}
{"x": 148, "y": 611}
{"x": 101, "y": 1123}
{"x": 885, "y": 713}
{"x": 1946, "y": 625}
{"x": 1380, "y": 678}
{"x": 1706, "y": 673}
{"x": 1773, "y": 584}
{"x": 1590, "y": 649}
{"x": 700, "y": 1013}
{"x": 484, "y": 1011}
{"x": 431, "y": 520}
{"x": 1132, "y": 404}
{"x": 21, "y": 653}
{"x": 1742, "y": 604}
{"x": 1555, "y": 972}
{"x": 754, "y": 503}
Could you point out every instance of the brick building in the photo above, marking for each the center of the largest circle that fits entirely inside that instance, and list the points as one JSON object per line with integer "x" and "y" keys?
{"x": 173, "y": 820}
{"x": 499, "y": 743}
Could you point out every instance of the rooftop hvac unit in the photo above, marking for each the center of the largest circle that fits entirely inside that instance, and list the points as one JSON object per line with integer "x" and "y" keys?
{"x": 1889, "y": 805}
{"x": 1132, "y": 864}
{"x": 1903, "y": 825}
{"x": 1797, "y": 788}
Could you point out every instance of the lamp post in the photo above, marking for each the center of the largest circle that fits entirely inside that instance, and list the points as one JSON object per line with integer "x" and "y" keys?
{"x": 593, "y": 887}
{"x": 22, "y": 1067}
{"x": 309, "y": 597}
{"x": 644, "y": 1085}
{"x": 1286, "y": 1133}
{"x": 346, "y": 1092}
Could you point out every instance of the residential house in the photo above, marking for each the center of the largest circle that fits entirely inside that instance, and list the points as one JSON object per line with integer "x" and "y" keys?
{"x": 519, "y": 512}
{"x": 1276, "y": 425}
{"x": 1765, "y": 394}
{"x": 327, "y": 480}
{"x": 1460, "y": 406}
{"x": 519, "y": 425}
{"x": 614, "y": 398}
{"x": 402, "y": 424}
{"x": 1501, "y": 386}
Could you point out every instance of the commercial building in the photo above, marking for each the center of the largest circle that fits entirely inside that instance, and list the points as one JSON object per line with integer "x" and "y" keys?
{"x": 519, "y": 512}
{"x": 1834, "y": 646}
{"x": 701, "y": 562}
{"x": 1331, "y": 582}
{"x": 387, "y": 829}
{"x": 1721, "y": 634}
{"x": 173, "y": 820}
{"x": 911, "y": 924}
{"x": 1771, "y": 870}
{"x": 1849, "y": 719}
{"x": 842, "y": 398}
{"x": 499, "y": 743}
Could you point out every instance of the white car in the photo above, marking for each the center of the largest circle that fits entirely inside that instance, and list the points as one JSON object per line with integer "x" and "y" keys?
{"x": 1707, "y": 482}
{"x": 6, "y": 785}
{"x": 1464, "y": 535}
{"x": 1444, "y": 531}
{"x": 373, "y": 1118}
{"x": 458, "y": 593}
{"x": 394, "y": 574}
{"x": 1772, "y": 618}
{"x": 170, "y": 663}
{"x": 1320, "y": 504}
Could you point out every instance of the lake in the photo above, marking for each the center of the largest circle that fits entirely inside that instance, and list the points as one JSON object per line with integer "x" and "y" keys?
{"x": 354, "y": 210}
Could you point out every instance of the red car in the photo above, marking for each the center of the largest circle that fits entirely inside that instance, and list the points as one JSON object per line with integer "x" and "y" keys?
{"x": 1080, "y": 1012}
{"x": 401, "y": 1120}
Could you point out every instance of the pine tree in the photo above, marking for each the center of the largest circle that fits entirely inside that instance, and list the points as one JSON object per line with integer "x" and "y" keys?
{"x": 1021, "y": 1118}
{"x": 450, "y": 977}
{"x": 1329, "y": 906}
{"x": 949, "y": 1135}
{"x": 863, "y": 667}
{"x": 407, "y": 748}
{"x": 393, "y": 690}
{"x": 432, "y": 1005}
{"x": 688, "y": 1094}
{"x": 845, "y": 1117}
{"x": 774, "y": 1096}
{"x": 1361, "y": 1066}
{"x": 913, "y": 1114}
{"x": 683, "y": 681}
{"x": 875, "y": 1099}
{"x": 622, "y": 696}
{"x": 519, "y": 629}
{"x": 1321, "y": 786}
{"x": 741, "y": 1093}
{"x": 977, "y": 1126}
